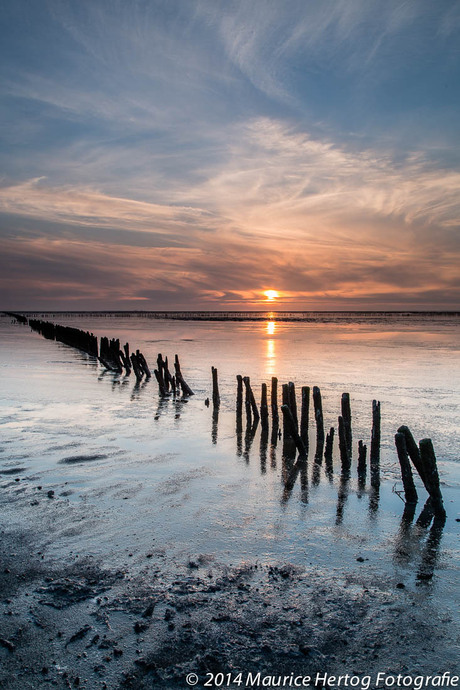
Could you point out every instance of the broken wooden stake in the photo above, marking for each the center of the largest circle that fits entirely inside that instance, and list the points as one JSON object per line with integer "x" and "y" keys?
{"x": 291, "y": 427}
{"x": 375, "y": 444}
{"x": 186, "y": 390}
{"x": 304, "y": 415}
{"x": 215, "y": 388}
{"x": 264, "y": 406}
{"x": 343, "y": 446}
{"x": 318, "y": 406}
{"x": 410, "y": 491}
{"x": 362, "y": 453}
{"x": 329, "y": 447}
{"x": 274, "y": 399}
{"x": 432, "y": 477}
{"x": 346, "y": 415}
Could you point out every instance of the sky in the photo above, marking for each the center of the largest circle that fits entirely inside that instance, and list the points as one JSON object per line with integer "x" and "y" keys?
{"x": 194, "y": 154}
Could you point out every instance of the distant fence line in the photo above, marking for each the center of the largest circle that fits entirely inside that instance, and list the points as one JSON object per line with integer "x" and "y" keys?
{"x": 375, "y": 317}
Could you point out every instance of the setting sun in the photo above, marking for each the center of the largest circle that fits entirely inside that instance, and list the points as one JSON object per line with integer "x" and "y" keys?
{"x": 271, "y": 295}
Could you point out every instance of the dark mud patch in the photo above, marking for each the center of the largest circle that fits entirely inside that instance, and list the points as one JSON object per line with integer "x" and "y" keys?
{"x": 66, "y": 591}
{"x": 178, "y": 482}
{"x": 76, "y": 459}
{"x": 13, "y": 470}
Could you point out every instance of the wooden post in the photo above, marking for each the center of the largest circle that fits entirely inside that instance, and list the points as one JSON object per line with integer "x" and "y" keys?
{"x": 136, "y": 367}
{"x": 215, "y": 388}
{"x": 304, "y": 415}
{"x": 346, "y": 415}
{"x": 343, "y": 446}
{"x": 252, "y": 401}
{"x": 285, "y": 401}
{"x": 239, "y": 395}
{"x": 362, "y": 453}
{"x": 186, "y": 390}
{"x": 291, "y": 426}
{"x": 428, "y": 459}
{"x": 375, "y": 444}
{"x": 143, "y": 363}
{"x": 274, "y": 399}
{"x": 329, "y": 446}
{"x": 247, "y": 401}
{"x": 414, "y": 454}
{"x": 410, "y": 491}
{"x": 293, "y": 404}
{"x": 161, "y": 384}
{"x": 125, "y": 362}
{"x": 318, "y": 405}
{"x": 168, "y": 379}
{"x": 264, "y": 406}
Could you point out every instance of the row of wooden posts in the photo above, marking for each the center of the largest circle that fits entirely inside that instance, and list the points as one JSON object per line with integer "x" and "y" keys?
{"x": 111, "y": 355}
{"x": 422, "y": 456}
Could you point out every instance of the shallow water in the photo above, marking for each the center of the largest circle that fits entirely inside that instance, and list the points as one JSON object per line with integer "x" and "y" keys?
{"x": 134, "y": 475}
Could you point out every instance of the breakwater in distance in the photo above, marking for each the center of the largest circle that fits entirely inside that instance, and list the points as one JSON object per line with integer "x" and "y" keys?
{"x": 372, "y": 317}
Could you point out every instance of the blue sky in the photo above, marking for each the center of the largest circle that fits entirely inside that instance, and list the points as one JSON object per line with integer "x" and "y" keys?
{"x": 192, "y": 154}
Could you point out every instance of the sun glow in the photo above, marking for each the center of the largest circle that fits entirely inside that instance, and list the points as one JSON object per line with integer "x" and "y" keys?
{"x": 271, "y": 295}
{"x": 270, "y": 327}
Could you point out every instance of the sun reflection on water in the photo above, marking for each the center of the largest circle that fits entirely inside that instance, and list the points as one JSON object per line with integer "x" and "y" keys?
{"x": 271, "y": 353}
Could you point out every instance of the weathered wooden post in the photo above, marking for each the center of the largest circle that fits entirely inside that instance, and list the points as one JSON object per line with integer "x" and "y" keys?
{"x": 125, "y": 362}
{"x": 274, "y": 399}
{"x": 329, "y": 448}
{"x": 251, "y": 399}
{"x": 293, "y": 404}
{"x": 285, "y": 401}
{"x": 304, "y": 415}
{"x": 143, "y": 363}
{"x": 215, "y": 388}
{"x": 432, "y": 477}
{"x": 186, "y": 390}
{"x": 168, "y": 379}
{"x": 318, "y": 406}
{"x": 264, "y": 406}
{"x": 161, "y": 384}
{"x": 343, "y": 446}
{"x": 247, "y": 401}
{"x": 291, "y": 428}
{"x": 362, "y": 453}
{"x": 239, "y": 394}
{"x": 346, "y": 415}
{"x": 410, "y": 491}
{"x": 136, "y": 366}
{"x": 414, "y": 453}
{"x": 375, "y": 444}
{"x": 239, "y": 416}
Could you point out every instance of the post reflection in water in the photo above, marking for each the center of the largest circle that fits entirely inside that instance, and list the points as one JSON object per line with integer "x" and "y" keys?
{"x": 249, "y": 437}
{"x": 215, "y": 424}
{"x": 342, "y": 497}
{"x": 263, "y": 448}
{"x": 409, "y": 540}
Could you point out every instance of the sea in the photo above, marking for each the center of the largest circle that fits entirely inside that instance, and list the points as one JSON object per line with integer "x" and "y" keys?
{"x": 131, "y": 472}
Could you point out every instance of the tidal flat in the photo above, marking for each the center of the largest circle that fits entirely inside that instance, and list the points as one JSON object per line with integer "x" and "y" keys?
{"x": 145, "y": 539}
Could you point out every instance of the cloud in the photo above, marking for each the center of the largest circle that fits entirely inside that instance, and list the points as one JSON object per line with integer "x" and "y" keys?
{"x": 282, "y": 210}
{"x": 88, "y": 207}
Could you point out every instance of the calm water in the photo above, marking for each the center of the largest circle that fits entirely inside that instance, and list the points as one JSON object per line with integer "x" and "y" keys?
{"x": 132, "y": 473}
